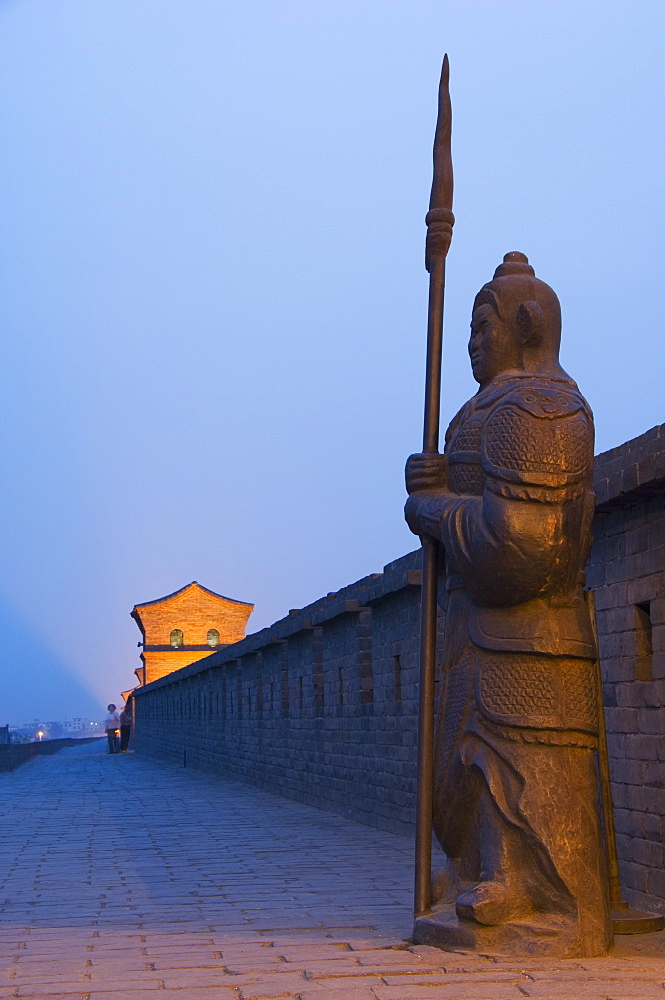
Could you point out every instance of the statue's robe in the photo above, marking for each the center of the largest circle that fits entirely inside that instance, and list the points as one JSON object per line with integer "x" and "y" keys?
{"x": 515, "y": 783}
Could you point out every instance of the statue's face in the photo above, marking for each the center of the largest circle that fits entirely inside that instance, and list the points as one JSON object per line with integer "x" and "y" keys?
{"x": 493, "y": 346}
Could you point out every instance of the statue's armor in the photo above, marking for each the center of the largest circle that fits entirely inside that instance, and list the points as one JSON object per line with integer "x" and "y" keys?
{"x": 520, "y": 434}
{"x": 525, "y": 439}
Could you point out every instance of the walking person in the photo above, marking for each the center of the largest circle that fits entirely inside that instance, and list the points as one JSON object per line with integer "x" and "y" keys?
{"x": 125, "y": 727}
{"x": 111, "y": 725}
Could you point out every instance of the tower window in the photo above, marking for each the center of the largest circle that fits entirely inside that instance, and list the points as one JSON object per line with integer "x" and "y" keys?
{"x": 176, "y": 637}
{"x": 213, "y": 637}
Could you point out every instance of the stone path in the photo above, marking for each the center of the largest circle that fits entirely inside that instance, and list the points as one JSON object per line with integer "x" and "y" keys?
{"x": 123, "y": 878}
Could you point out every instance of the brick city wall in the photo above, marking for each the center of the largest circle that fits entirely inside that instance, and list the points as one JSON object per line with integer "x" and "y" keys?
{"x": 627, "y": 574}
{"x": 322, "y": 706}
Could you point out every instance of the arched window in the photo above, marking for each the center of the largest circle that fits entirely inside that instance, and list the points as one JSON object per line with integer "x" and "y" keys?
{"x": 176, "y": 637}
{"x": 213, "y": 637}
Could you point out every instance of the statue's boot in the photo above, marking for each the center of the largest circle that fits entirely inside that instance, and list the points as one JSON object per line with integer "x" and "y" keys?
{"x": 491, "y": 902}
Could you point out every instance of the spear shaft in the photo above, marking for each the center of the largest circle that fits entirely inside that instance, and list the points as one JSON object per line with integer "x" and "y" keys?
{"x": 439, "y": 232}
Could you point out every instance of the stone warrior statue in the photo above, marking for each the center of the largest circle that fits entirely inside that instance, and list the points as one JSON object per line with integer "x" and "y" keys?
{"x": 515, "y": 781}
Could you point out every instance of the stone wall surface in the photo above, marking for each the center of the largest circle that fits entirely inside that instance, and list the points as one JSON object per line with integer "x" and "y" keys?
{"x": 322, "y": 706}
{"x": 627, "y": 574}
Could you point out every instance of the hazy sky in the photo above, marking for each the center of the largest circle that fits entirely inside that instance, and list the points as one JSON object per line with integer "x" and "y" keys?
{"x": 213, "y": 295}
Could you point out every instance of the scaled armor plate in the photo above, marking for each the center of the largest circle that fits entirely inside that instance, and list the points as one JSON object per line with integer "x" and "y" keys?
{"x": 538, "y": 691}
{"x": 541, "y": 438}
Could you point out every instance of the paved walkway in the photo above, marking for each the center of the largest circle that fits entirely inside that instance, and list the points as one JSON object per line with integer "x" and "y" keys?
{"x": 125, "y": 877}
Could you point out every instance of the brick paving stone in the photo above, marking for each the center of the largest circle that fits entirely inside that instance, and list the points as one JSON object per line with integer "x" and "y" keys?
{"x": 389, "y": 958}
{"x": 432, "y": 978}
{"x": 174, "y": 961}
{"x": 607, "y": 965}
{"x": 359, "y": 978}
{"x": 51, "y": 989}
{"x": 46, "y": 978}
{"x": 215, "y": 993}
{"x": 605, "y": 990}
{"x": 208, "y": 978}
{"x": 455, "y": 991}
{"x": 206, "y": 889}
{"x": 549, "y": 965}
{"x": 334, "y": 992}
{"x": 321, "y": 969}
{"x": 618, "y": 975}
{"x": 255, "y": 967}
{"x": 311, "y": 952}
{"x": 269, "y": 993}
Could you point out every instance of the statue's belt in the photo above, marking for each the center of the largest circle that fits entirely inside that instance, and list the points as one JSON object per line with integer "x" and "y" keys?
{"x": 551, "y": 626}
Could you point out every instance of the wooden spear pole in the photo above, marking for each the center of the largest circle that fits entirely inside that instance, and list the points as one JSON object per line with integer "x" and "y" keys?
{"x": 439, "y": 221}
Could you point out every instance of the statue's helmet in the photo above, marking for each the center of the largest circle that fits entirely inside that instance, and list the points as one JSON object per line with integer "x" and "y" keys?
{"x": 525, "y": 303}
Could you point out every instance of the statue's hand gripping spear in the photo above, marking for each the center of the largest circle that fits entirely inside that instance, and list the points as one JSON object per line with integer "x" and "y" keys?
{"x": 439, "y": 221}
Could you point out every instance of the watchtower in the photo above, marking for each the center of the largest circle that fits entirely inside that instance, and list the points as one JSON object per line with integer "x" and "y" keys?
{"x": 186, "y": 626}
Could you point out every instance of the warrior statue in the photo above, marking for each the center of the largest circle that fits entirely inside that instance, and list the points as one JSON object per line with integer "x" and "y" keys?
{"x": 515, "y": 780}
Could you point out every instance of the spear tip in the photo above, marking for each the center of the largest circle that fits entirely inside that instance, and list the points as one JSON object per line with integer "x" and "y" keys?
{"x": 444, "y": 95}
{"x": 440, "y": 217}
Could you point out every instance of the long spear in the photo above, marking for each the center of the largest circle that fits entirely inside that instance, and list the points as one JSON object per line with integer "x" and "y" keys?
{"x": 439, "y": 221}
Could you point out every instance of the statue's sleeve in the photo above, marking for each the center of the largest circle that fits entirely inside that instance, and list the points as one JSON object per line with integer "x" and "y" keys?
{"x": 510, "y": 544}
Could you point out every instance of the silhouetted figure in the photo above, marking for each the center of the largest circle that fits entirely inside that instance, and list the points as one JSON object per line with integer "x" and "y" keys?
{"x": 111, "y": 725}
{"x": 125, "y": 727}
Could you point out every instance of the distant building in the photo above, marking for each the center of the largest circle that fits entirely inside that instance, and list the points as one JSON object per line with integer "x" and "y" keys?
{"x": 184, "y": 627}
{"x": 75, "y": 725}
{"x": 81, "y": 727}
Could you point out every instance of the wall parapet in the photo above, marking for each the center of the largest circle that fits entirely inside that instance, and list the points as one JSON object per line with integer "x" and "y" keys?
{"x": 633, "y": 469}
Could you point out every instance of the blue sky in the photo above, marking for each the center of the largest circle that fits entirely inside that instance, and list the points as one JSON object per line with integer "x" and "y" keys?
{"x": 213, "y": 296}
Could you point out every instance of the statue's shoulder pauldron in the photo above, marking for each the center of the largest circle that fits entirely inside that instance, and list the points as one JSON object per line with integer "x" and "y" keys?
{"x": 547, "y": 402}
{"x": 539, "y": 439}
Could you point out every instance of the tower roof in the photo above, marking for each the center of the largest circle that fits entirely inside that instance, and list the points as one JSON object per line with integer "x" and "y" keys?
{"x": 194, "y": 585}
{"x": 194, "y": 608}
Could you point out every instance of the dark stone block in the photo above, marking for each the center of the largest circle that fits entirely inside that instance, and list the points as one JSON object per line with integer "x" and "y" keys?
{"x": 633, "y": 876}
{"x": 651, "y": 721}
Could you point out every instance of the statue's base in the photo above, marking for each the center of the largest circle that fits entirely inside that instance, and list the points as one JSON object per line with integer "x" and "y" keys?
{"x": 625, "y": 920}
{"x": 553, "y": 937}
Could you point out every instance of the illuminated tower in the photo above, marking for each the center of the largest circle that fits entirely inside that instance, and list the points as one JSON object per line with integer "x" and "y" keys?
{"x": 186, "y": 626}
